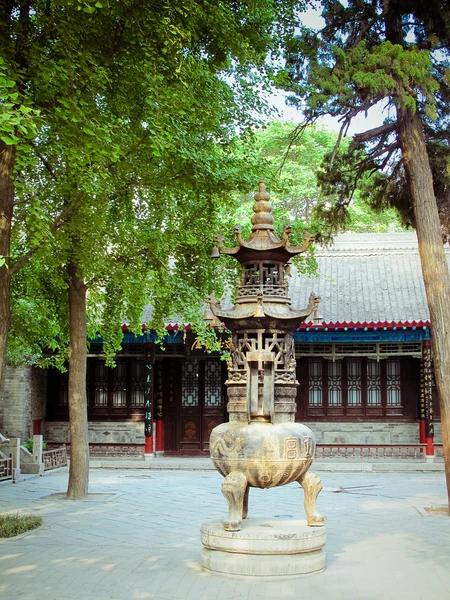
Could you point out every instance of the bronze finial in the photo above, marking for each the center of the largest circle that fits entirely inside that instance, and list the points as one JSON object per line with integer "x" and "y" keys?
{"x": 263, "y": 218}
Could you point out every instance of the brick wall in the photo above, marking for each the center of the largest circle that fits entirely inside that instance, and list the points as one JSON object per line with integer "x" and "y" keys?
{"x": 365, "y": 433}
{"x": 100, "y": 432}
{"x": 15, "y": 401}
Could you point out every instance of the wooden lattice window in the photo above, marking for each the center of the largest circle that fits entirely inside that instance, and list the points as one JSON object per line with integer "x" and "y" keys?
{"x": 137, "y": 383}
{"x": 213, "y": 383}
{"x": 393, "y": 382}
{"x": 354, "y": 382}
{"x": 101, "y": 384}
{"x": 373, "y": 383}
{"x": 315, "y": 383}
{"x": 335, "y": 383}
{"x": 119, "y": 387}
{"x": 189, "y": 386}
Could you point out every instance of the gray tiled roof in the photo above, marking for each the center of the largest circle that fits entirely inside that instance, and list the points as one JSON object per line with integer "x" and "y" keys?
{"x": 368, "y": 277}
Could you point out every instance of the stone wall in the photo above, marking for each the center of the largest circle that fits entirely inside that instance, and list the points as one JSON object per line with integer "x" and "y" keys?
{"x": 365, "y": 433}
{"x": 438, "y": 433}
{"x": 100, "y": 432}
{"x": 15, "y": 402}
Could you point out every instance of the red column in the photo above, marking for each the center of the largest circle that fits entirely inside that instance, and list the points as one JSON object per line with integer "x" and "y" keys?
{"x": 159, "y": 407}
{"x": 148, "y": 398}
{"x": 428, "y": 397}
{"x": 422, "y": 432}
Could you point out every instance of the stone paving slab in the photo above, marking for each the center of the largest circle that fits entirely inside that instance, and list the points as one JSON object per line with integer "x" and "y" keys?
{"x": 143, "y": 540}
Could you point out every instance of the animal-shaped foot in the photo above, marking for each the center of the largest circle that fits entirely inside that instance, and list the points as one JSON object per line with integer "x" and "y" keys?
{"x": 312, "y": 485}
{"x": 234, "y": 488}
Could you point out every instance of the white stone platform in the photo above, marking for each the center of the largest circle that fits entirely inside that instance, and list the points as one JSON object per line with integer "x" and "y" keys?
{"x": 264, "y": 547}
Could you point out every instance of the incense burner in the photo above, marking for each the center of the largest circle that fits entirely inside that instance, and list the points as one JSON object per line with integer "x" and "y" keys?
{"x": 262, "y": 446}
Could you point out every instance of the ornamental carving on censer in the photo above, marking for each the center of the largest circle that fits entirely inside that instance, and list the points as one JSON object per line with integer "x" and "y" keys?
{"x": 261, "y": 445}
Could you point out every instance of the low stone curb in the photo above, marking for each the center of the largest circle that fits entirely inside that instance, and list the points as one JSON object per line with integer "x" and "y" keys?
{"x": 204, "y": 464}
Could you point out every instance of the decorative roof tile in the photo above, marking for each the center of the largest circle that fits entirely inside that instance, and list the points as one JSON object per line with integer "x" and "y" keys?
{"x": 368, "y": 277}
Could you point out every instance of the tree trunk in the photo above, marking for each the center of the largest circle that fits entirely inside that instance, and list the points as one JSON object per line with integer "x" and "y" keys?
{"x": 7, "y": 161}
{"x": 434, "y": 264}
{"x": 79, "y": 446}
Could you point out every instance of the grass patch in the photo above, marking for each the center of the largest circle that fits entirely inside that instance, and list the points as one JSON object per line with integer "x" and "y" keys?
{"x": 15, "y": 524}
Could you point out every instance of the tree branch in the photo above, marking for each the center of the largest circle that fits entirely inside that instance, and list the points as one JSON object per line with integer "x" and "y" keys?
{"x": 371, "y": 133}
{"x": 390, "y": 149}
{"x": 46, "y": 163}
{"x": 297, "y": 132}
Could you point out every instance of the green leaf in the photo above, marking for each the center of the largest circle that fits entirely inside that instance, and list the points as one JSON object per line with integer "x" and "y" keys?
{"x": 9, "y": 140}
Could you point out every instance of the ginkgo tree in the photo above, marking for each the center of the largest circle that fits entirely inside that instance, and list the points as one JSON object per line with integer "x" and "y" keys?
{"x": 117, "y": 124}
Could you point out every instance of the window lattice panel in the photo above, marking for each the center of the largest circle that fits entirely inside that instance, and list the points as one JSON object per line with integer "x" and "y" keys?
{"x": 137, "y": 383}
{"x": 373, "y": 383}
{"x": 189, "y": 386}
{"x": 119, "y": 392}
{"x": 354, "y": 382}
{"x": 334, "y": 383}
{"x": 213, "y": 383}
{"x": 315, "y": 382}
{"x": 393, "y": 382}
{"x": 101, "y": 384}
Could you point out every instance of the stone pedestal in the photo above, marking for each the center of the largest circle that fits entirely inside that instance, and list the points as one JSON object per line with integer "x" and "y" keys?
{"x": 264, "y": 548}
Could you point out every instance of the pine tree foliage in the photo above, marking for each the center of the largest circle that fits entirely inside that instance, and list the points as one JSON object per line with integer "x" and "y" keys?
{"x": 396, "y": 53}
{"x": 352, "y": 66}
{"x": 297, "y": 157}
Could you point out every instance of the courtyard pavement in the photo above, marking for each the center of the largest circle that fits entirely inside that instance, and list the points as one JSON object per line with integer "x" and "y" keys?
{"x": 138, "y": 537}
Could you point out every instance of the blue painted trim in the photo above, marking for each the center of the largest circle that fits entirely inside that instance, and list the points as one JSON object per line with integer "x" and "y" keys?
{"x": 174, "y": 337}
{"x": 409, "y": 335}
{"x": 362, "y": 336}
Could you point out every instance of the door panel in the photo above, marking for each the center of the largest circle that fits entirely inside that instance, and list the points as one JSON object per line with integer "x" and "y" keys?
{"x": 212, "y": 399}
{"x": 197, "y": 403}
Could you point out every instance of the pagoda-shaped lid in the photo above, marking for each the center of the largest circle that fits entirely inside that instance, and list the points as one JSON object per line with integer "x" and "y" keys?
{"x": 263, "y": 242}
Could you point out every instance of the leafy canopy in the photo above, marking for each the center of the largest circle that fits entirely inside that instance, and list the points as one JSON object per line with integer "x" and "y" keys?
{"x": 124, "y": 118}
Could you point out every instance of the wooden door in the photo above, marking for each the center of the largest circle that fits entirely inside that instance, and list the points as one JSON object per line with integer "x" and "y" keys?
{"x": 194, "y": 403}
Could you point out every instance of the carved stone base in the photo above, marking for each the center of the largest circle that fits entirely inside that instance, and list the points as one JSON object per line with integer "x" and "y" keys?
{"x": 264, "y": 548}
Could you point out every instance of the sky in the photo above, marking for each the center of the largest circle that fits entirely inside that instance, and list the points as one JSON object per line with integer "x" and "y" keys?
{"x": 374, "y": 118}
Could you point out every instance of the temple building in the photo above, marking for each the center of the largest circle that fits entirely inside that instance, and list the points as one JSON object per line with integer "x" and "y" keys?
{"x": 363, "y": 361}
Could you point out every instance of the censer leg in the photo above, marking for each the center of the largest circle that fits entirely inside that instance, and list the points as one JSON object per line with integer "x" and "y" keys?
{"x": 233, "y": 488}
{"x": 245, "y": 507}
{"x": 311, "y": 485}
